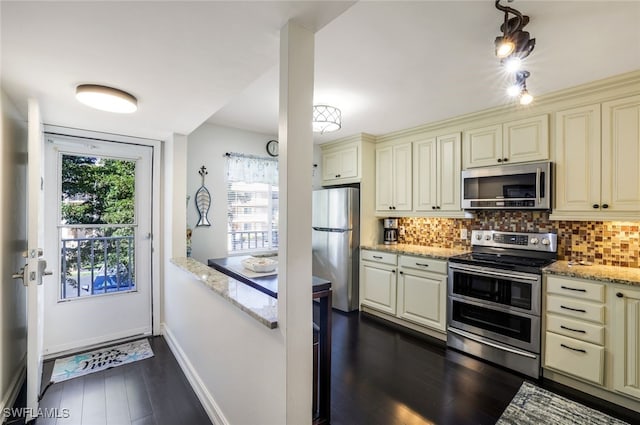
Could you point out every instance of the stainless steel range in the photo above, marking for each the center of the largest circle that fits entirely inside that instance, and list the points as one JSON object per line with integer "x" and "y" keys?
{"x": 494, "y": 298}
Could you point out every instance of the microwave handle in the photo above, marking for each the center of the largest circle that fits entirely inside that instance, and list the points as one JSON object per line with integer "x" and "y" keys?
{"x": 538, "y": 172}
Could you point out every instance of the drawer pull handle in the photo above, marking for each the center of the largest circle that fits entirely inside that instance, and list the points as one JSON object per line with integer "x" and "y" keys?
{"x": 580, "y": 350}
{"x": 573, "y": 330}
{"x": 422, "y": 264}
{"x": 377, "y": 257}
{"x": 579, "y": 310}
{"x": 573, "y": 289}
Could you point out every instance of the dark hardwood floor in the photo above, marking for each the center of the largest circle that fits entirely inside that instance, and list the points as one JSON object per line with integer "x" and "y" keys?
{"x": 382, "y": 375}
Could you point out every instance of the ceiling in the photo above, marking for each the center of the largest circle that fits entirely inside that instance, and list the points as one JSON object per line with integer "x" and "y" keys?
{"x": 388, "y": 65}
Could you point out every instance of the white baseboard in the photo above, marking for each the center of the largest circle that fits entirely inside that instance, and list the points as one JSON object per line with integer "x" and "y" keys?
{"x": 15, "y": 385}
{"x": 205, "y": 397}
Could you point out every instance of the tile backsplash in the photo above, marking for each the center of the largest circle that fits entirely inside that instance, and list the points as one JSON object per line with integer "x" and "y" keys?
{"x": 611, "y": 243}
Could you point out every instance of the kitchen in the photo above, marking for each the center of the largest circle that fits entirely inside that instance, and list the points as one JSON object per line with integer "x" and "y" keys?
{"x": 434, "y": 228}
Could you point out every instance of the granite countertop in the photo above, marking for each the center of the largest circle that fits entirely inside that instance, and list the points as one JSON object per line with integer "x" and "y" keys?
{"x": 610, "y": 274}
{"x": 255, "y": 303}
{"x": 422, "y": 251}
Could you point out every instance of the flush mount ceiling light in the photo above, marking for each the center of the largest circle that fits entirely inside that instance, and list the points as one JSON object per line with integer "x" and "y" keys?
{"x": 326, "y": 119}
{"x": 106, "y": 98}
{"x": 513, "y": 41}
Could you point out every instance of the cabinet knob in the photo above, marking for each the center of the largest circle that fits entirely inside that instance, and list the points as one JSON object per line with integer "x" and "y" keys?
{"x": 505, "y": 159}
{"x": 390, "y": 207}
{"x": 393, "y": 271}
{"x": 619, "y": 294}
{"x": 605, "y": 206}
{"x": 401, "y": 272}
{"x": 393, "y": 208}
{"x": 337, "y": 176}
{"x": 596, "y": 206}
{"x": 499, "y": 159}
{"x": 438, "y": 207}
{"x": 433, "y": 207}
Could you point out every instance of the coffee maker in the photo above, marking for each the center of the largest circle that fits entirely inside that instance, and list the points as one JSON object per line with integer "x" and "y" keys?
{"x": 390, "y": 231}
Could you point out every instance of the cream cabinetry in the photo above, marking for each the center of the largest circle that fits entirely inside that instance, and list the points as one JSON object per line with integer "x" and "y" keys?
{"x": 437, "y": 164}
{"x": 409, "y": 290}
{"x": 625, "y": 335}
{"x": 518, "y": 141}
{"x": 340, "y": 163}
{"x": 394, "y": 178}
{"x": 422, "y": 291}
{"x": 575, "y": 328}
{"x": 378, "y": 281}
{"x": 596, "y": 155}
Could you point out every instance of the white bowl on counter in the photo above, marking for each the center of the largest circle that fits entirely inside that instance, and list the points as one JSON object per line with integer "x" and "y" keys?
{"x": 260, "y": 265}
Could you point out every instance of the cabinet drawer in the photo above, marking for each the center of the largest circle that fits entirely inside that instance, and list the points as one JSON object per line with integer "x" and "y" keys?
{"x": 380, "y": 257}
{"x": 422, "y": 263}
{"x": 575, "y": 288}
{"x": 575, "y": 308}
{"x": 578, "y": 329}
{"x": 578, "y": 358}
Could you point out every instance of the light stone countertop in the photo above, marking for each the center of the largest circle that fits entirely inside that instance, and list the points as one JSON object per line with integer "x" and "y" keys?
{"x": 256, "y": 304}
{"x": 422, "y": 251}
{"x": 609, "y": 274}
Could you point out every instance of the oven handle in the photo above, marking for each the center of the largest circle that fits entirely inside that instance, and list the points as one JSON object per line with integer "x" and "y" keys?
{"x": 538, "y": 172}
{"x": 491, "y": 344}
{"x": 501, "y": 274}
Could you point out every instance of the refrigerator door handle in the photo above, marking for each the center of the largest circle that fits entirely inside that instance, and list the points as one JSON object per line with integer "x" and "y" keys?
{"x": 326, "y": 229}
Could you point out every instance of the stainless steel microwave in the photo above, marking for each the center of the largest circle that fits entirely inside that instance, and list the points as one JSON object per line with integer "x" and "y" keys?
{"x": 508, "y": 187}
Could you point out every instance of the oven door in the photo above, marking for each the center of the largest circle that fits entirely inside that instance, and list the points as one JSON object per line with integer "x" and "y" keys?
{"x": 495, "y": 323}
{"x": 514, "y": 291}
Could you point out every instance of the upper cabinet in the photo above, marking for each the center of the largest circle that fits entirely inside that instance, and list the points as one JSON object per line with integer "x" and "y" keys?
{"x": 394, "y": 178}
{"x": 523, "y": 140}
{"x": 597, "y": 153}
{"x": 436, "y": 185}
{"x": 340, "y": 163}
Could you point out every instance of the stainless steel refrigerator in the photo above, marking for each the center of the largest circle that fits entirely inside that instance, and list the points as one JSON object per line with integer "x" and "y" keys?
{"x": 336, "y": 243}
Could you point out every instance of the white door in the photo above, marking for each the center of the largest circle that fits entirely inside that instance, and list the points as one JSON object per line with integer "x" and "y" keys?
{"x": 35, "y": 265}
{"x": 99, "y": 222}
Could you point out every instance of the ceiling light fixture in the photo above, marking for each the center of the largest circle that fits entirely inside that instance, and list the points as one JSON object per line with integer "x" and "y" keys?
{"x": 513, "y": 41}
{"x": 519, "y": 88}
{"x": 326, "y": 119}
{"x": 106, "y": 98}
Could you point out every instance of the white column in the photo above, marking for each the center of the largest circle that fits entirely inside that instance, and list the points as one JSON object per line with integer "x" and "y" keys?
{"x": 296, "y": 158}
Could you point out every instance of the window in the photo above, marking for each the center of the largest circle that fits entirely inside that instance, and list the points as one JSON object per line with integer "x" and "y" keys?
{"x": 252, "y": 199}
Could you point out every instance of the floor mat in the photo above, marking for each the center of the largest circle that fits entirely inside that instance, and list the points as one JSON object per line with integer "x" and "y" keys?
{"x": 101, "y": 359}
{"x": 533, "y": 405}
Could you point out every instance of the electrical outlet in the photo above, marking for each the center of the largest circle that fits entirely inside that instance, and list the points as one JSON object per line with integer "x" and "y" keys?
{"x": 401, "y": 230}
{"x": 463, "y": 234}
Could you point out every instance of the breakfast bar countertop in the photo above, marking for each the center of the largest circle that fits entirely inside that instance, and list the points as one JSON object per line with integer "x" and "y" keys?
{"x": 609, "y": 274}
{"x": 419, "y": 250}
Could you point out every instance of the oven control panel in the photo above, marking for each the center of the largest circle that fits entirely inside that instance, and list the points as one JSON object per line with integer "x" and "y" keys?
{"x": 546, "y": 242}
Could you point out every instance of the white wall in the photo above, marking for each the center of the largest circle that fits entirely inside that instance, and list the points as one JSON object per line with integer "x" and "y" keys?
{"x": 13, "y": 187}
{"x": 207, "y": 146}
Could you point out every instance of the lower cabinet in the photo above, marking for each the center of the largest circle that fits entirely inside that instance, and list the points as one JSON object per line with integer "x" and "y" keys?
{"x": 412, "y": 289}
{"x": 592, "y": 334}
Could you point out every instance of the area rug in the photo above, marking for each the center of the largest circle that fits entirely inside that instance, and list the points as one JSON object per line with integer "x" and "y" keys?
{"x": 101, "y": 359}
{"x": 536, "y": 406}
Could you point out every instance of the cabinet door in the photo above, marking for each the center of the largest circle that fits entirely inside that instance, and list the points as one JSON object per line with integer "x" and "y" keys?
{"x": 482, "y": 146}
{"x": 425, "y": 184}
{"x": 402, "y": 177}
{"x": 625, "y": 334}
{"x": 526, "y": 140}
{"x": 331, "y": 166}
{"x": 577, "y": 159}
{"x": 384, "y": 178}
{"x": 449, "y": 172}
{"x": 621, "y": 154}
{"x": 348, "y": 162}
{"x": 378, "y": 287}
{"x": 422, "y": 298}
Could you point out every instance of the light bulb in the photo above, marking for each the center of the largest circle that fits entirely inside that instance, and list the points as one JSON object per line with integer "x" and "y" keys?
{"x": 525, "y": 97}
{"x": 505, "y": 48}
{"x": 513, "y": 65}
{"x": 514, "y": 90}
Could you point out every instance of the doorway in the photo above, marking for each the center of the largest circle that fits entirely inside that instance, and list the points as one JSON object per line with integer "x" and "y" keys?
{"x": 98, "y": 219}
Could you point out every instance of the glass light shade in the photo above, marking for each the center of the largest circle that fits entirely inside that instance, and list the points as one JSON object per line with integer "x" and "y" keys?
{"x": 106, "y": 98}
{"x": 326, "y": 119}
{"x": 525, "y": 97}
